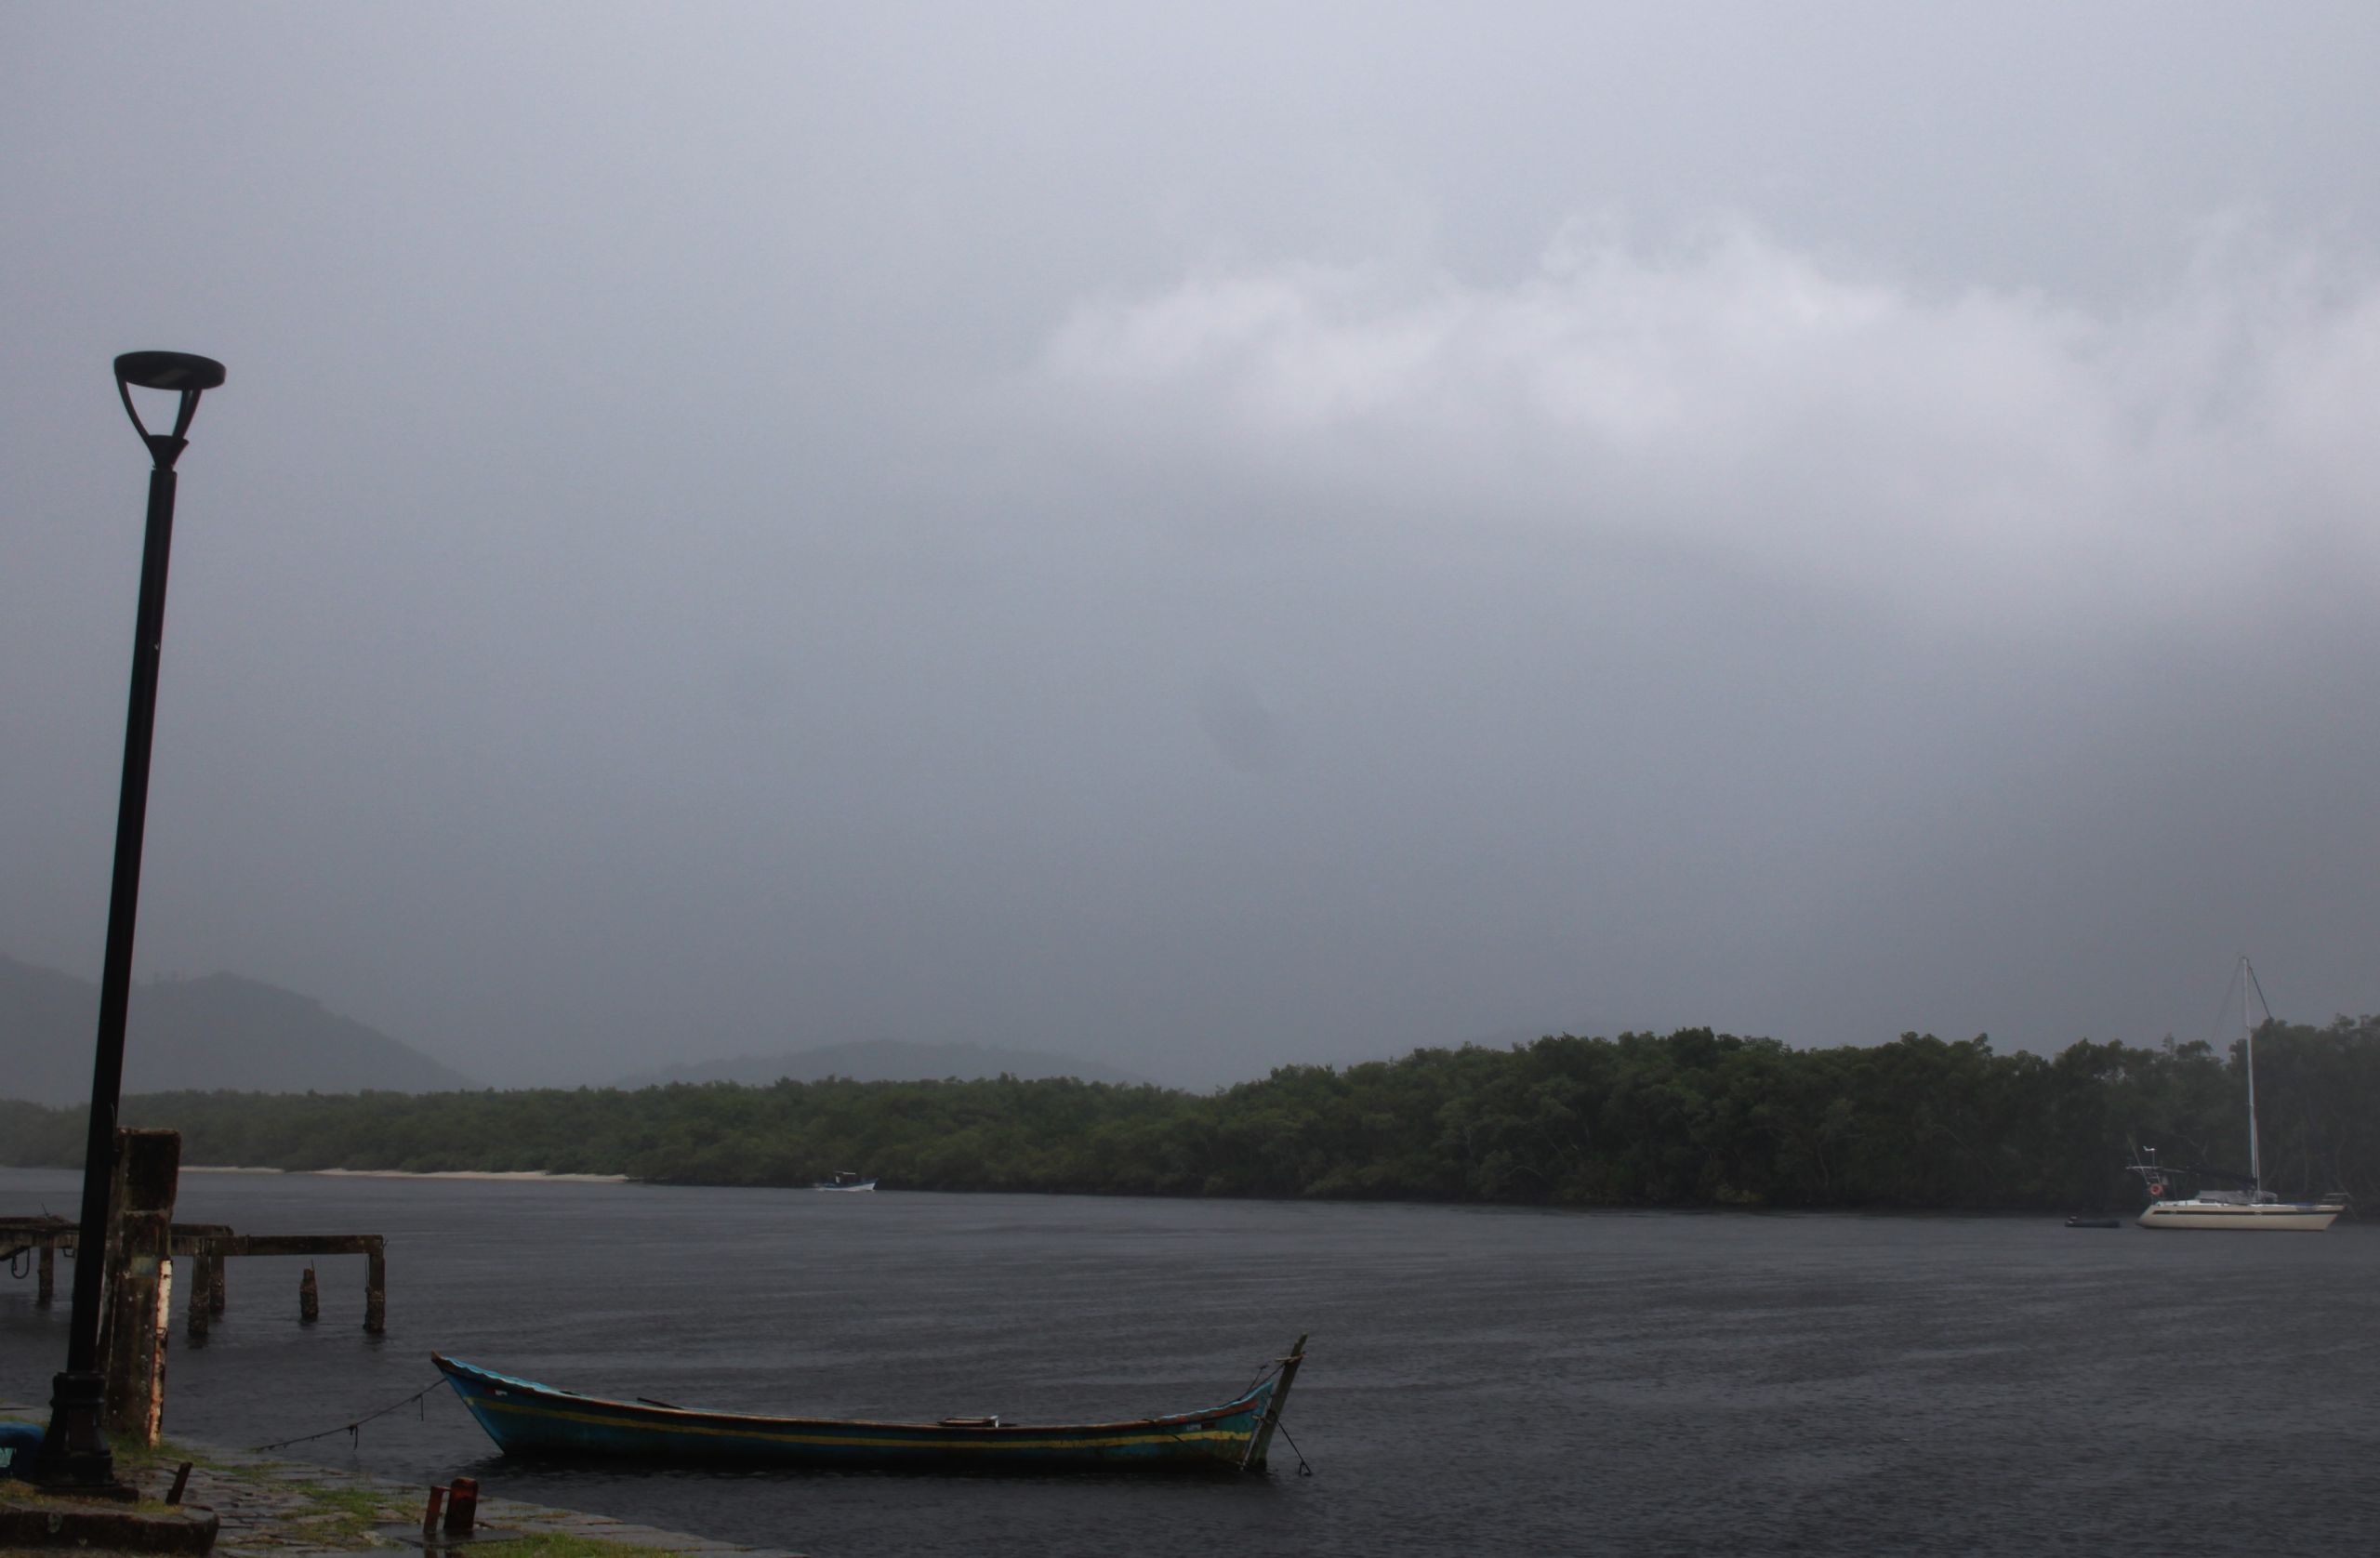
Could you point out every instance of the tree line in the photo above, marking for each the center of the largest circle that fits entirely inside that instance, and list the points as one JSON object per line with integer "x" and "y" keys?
{"x": 1692, "y": 1118}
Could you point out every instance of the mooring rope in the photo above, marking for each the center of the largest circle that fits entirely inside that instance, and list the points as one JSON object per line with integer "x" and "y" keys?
{"x": 1266, "y": 1372}
{"x": 1275, "y": 1367}
{"x": 354, "y": 1429}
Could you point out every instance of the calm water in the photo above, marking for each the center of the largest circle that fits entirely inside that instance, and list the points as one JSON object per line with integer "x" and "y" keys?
{"x": 1480, "y": 1381}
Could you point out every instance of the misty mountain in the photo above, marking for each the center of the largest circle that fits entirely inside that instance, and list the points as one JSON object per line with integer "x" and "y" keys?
{"x": 218, "y": 1032}
{"x": 883, "y": 1060}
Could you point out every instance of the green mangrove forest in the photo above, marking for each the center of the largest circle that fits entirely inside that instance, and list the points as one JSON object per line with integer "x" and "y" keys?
{"x": 1693, "y": 1118}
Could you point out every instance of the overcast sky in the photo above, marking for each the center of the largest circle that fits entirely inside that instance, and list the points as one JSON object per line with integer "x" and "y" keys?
{"x": 1205, "y": 535}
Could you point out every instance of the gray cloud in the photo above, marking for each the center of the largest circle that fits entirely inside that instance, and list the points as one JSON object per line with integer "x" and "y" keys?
{"x": 1204, "y": 537}
{"x": 1994, "y": 462}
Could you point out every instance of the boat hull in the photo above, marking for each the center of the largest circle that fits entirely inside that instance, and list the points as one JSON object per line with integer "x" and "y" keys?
{"x": 2268, "y": 1218}
{"x": 525, "y": 1418}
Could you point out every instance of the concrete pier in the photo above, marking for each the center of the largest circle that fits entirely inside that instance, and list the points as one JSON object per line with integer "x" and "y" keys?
{"x": 211, "y": 1247}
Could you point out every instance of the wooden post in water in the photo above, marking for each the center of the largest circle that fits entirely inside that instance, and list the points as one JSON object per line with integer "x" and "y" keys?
{"x": 140, "y": 1268}
{"x": 310, "y": 1303}
{"x": 199, "y": 1265}
{"x": 376, "y": 1286}
{"x": 215, "y": 1265}
{"x": 45, "y": 1286}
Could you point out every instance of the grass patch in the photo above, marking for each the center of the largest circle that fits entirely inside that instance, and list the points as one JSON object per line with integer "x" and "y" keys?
{"x": 164, "y": 1455}
{"x": 334, "y": 1516}
{"x": 18, "y": 1491}
{"x": 553, "y": 1545}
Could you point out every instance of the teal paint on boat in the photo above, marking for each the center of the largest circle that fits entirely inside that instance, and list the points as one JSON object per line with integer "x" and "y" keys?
{"x": 525, "y": 1418}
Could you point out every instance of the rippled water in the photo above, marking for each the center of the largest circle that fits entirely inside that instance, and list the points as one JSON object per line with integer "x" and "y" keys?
{"x": 1480, "y": 1381}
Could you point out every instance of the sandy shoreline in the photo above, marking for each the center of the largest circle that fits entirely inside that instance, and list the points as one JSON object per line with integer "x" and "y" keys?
{"x": 514, "y": 1175}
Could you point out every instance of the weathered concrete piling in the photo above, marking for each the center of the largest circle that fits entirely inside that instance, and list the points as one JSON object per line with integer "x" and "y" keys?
{"x": 140, "y": 1280}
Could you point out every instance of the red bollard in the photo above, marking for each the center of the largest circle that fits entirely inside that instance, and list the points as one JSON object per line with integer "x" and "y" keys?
{"x": 462, "y": 1506}
{"x": 437, "y": 1503}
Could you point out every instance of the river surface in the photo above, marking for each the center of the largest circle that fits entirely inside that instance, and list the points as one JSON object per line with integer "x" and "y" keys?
{"x": 1479, "y": 1380}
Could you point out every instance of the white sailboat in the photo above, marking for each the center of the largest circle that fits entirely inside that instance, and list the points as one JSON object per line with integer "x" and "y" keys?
{"x": 2253, "y": 1208}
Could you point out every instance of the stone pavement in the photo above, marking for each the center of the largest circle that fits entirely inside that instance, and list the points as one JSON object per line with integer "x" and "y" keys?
{"x": 276, "y": 1508}
{"x": 255, "y": 1495}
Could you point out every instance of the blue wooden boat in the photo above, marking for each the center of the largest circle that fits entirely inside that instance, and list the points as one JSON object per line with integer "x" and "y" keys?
{"x": 528, "y": 1418}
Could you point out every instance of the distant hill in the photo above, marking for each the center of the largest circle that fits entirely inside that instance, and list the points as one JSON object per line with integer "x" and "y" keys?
{"x": 219, "y": 1032}
{"x": 882, "y": 1060}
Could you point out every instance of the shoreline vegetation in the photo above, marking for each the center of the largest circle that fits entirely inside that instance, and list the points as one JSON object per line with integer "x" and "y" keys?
{"x": 1692, "y": 1118}
{"x": 536, "y": 1175}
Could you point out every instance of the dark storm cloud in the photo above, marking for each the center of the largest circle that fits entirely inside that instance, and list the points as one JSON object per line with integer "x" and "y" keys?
{"x": 1203, "y": 537}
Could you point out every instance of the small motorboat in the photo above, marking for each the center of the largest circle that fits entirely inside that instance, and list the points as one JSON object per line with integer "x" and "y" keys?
{"x": 846, "y": 1181}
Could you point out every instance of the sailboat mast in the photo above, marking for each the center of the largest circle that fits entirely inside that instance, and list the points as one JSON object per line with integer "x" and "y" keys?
{"x": 2247, "y": 983}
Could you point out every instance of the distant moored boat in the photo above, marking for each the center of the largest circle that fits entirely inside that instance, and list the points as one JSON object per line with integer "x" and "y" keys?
{"x": 845, "y": 1181}
{"x": 2255, "y": 1209}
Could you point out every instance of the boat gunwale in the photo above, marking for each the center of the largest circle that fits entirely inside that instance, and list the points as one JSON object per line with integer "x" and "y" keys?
{"x": 456, "y": 1368}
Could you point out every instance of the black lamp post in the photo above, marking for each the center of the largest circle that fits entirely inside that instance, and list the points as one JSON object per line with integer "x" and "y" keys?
{"x": 74, "y": 1452}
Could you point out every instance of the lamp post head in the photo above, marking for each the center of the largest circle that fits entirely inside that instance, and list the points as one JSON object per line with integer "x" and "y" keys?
{"x": 180, "y": 372}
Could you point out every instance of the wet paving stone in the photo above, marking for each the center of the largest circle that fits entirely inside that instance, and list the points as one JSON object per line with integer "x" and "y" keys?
{"x": 277, "y": 1508}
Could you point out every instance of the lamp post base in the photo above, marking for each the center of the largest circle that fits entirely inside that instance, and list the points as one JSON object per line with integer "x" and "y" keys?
{"x": 75, "y": 1460}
